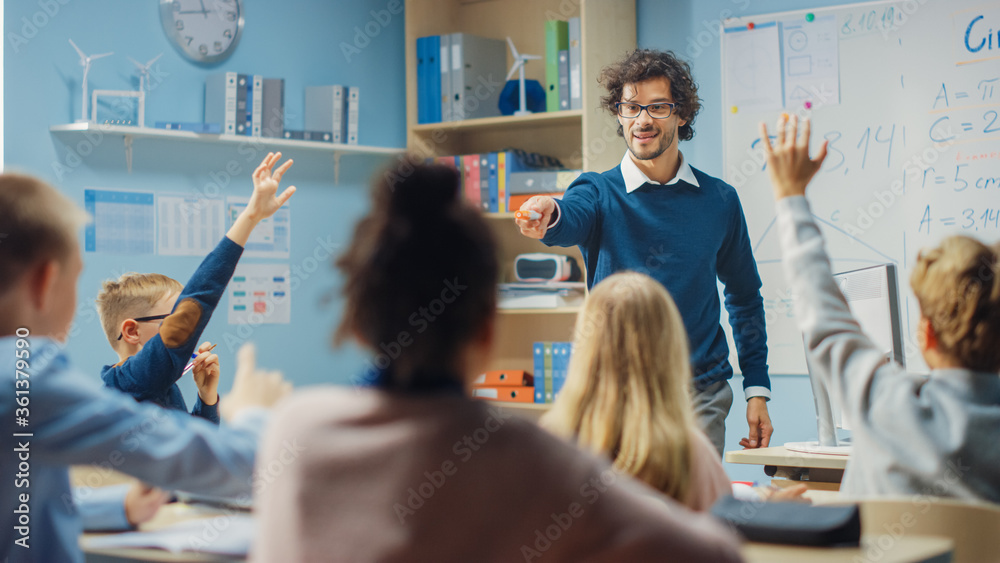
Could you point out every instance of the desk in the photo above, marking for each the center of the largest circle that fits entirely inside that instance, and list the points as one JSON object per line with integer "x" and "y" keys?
{"x": 794, "y": 466}
{"x": 923, "y": 549}
{"x": 169, "y": 514}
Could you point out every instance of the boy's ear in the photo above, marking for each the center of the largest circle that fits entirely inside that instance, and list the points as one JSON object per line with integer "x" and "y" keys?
{"x": 130, "y": 331}
{"x": 42, "y": 279}
{"x": 926, "y": 336}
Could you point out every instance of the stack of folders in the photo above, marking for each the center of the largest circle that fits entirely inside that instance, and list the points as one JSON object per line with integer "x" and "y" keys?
{"x": 240, "y": 104}
{"x": 551, "y": 369}
{"x": 460, "y": 76}
{"x": 546, "y": 295}
{"x": 562, "y": 65}
{"x": 331, "y": 114}
{"x": 512, "y": 386}
{"x": 493, "y": 181}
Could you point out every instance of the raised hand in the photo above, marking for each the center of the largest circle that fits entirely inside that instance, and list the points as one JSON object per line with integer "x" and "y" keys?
{"x": 788, "y": 161}
{"x": 253, "y": 387}
{"x": 264, "y": 201}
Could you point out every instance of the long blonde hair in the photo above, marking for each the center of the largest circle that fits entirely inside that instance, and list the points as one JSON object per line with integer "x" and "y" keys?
{"x": 627, "y": 394}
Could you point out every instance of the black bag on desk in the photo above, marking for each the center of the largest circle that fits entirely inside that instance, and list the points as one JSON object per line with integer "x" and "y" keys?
{"x": 791, "y": 522}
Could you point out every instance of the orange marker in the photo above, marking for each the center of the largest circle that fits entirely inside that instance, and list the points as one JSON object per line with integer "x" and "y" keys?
{"x": 527, "y": 215}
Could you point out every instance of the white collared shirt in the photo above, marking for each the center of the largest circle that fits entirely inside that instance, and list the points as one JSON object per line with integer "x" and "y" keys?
{"x": 634, "y": 177}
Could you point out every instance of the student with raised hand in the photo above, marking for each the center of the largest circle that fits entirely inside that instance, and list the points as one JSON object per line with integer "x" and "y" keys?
{"x": 55, "y": 416}
{"x": 627, "y": 395}
{"x": 914, "y": 434}
{"x": 153, "y": 323}
{"x": 409, "y": 468}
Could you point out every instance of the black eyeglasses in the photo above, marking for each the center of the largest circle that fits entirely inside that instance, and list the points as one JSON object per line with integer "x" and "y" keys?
{"x": 146, "y": 320}
{"x": 661, "y": 110}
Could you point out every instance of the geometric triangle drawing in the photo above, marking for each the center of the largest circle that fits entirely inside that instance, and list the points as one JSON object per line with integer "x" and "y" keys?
{"x": 833, "y": 233}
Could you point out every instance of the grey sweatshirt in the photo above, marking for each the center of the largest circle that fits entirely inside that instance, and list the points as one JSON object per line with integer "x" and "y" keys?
{"x": 912, "y": 434}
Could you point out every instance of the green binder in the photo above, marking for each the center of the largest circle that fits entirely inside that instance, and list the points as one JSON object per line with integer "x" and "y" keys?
{"x": 556, "y": 39}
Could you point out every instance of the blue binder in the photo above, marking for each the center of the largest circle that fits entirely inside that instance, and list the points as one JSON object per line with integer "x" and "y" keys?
{"x": 422, "y": 93}
{"x": 494, "y": 188}
{"x": 433, "y": 60}
{"x": 539, "y": 357}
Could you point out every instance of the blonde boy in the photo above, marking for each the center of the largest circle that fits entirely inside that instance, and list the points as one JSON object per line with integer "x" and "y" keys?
{"x": 53, "y": 416}
{"x": 912, "y": 434}
{"x": 153, "y": 323}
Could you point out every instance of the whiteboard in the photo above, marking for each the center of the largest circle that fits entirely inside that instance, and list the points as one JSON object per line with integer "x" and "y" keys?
{"x": 908, "y": 95}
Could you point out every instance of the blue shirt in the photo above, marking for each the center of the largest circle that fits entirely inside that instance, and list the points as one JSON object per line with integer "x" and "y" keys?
{"x": 152, "y": 374}
{"x": 71, "y": 420}
{"x": 688, "y": 235}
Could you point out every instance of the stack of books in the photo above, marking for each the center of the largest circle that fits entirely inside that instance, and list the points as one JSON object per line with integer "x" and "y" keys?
{"x": 548, "y": 295}
{"x": 551, "y": 369}
{"x": 493, "y": 181}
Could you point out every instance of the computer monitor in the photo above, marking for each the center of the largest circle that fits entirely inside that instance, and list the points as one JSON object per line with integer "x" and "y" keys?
{"x": 873, "y": 296}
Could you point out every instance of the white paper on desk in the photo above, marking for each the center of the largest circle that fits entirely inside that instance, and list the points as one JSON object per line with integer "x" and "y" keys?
{"x": 752, "y": 67}
{"x": 189, "y": 226}
{"x": 229, "y": 534}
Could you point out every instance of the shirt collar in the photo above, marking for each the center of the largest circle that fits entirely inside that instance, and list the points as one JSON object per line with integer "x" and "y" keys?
{"x": 634, "y": 178}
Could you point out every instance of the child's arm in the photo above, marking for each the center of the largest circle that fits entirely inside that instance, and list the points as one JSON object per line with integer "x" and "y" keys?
{"x": 117, "y": 507}
{"x": 206, "y": 377}
{"x": 150, "y": 374}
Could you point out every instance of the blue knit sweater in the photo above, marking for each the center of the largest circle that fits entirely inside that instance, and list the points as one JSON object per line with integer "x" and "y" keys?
{"x": 687, "y": 237}
{"x": 152, "y": 374}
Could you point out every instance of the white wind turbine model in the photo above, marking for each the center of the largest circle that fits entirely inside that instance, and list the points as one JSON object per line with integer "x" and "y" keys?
{"x": 85, "y": 61}
{"x": 518, "y": 67}
{"x": 144, "y": 70}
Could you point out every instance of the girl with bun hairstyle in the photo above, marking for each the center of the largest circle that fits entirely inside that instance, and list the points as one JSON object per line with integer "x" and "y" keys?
{"x": 408, "y": 467}
{"x": 912, "y": 434}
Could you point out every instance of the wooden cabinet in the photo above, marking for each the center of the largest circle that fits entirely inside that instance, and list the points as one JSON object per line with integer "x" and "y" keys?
{"x": 585, "y": 138}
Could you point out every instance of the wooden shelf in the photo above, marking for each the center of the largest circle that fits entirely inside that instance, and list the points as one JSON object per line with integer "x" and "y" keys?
{"x": 525, "y": 406}
{"x": 505, "y": 122}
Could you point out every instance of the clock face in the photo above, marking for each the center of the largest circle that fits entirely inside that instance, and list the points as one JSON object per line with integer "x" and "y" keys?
{"x": 205, "y": 31}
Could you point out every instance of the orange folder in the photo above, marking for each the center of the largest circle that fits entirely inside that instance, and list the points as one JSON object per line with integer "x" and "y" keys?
{"x": 507, "y": 394}
{"x": 516, "y": 201}
{"x": 504, "y": 378}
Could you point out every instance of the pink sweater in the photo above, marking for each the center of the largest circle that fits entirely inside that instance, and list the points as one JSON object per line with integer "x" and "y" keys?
{"x": 358, "y": 476}
{"x": 708, "y": 479}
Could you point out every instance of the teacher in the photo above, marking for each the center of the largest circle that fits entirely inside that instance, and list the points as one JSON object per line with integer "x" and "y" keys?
{"x": 656, "y": 214}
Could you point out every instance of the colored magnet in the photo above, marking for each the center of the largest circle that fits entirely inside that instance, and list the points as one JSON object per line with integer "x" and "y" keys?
{"x": 734, "y": 109}
{"x": 750, "y": 25}
{"x": 810, "y": 17}
{"x": 808, "y": 104}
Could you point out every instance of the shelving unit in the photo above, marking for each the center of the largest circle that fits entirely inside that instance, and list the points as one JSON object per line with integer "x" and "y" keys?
{"x": 71, "y": 131}
{"x": 586, "y": 139}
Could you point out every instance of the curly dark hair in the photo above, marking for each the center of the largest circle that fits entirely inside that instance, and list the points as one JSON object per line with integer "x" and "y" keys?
{"x": 643, "y": 64}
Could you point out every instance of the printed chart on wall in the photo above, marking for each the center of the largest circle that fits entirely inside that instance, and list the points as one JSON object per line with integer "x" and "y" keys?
{"x": 272, "y": 238}
{"x": 260, "y": 294}
{"x": 907, "y": 93}
{"x": 122, "y": 221}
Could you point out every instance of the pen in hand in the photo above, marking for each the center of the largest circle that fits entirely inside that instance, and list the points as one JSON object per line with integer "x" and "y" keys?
{"x": 190, "y": 365}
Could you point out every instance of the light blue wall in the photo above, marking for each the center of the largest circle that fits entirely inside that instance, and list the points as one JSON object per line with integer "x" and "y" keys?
{"x": 299, "y": 40}
{"x": 690, "y": 29}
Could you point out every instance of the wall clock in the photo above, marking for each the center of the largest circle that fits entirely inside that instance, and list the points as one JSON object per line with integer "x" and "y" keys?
{"x": 204, "y": 31}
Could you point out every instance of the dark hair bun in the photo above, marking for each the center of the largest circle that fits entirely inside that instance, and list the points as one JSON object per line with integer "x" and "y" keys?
{"x": 422, "y": 192}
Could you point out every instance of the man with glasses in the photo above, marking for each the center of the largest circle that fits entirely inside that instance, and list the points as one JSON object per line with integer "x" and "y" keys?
{"x": 656, "y": 214}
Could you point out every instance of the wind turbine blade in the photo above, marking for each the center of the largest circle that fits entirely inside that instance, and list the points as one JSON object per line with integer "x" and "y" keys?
{"x": 153, "y": 60}
{"x": 513, "y": 69}
{"x": 137, "y": 63}
{"x": 513, "y": 49}
{"x": 101, "y": 56}
{"x": 531, "y": 57}
{"x": 78, "y": 50}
